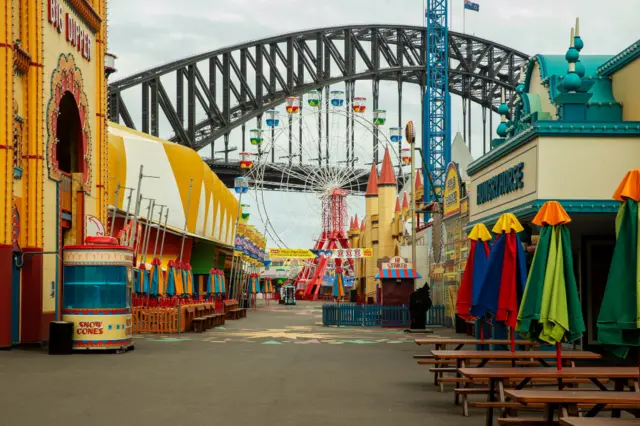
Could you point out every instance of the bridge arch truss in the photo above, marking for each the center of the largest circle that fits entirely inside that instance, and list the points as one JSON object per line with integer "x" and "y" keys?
{"x": 204, "y": 97}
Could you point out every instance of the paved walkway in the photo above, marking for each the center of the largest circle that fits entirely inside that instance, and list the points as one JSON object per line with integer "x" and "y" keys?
{"x": 279, "y": 366}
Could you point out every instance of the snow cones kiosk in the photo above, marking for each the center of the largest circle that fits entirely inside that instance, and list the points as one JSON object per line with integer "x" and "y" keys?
{"x": 98, "y": 279}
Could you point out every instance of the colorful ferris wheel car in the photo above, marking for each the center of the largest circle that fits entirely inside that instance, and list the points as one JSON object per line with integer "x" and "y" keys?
{"x": 379, "y": 117}
{"x": 273, "y": 118}
{"x": 255, "y": 136}
{"x": 406, "y": 156}
{"x": 337, "y": 98}
{"x": 395, "y": 134}
{"x": 314, "y": 98}
{"x": 245, "y": 160}
{"x": 293, "y": 105}
{"x": 359, "y": 104}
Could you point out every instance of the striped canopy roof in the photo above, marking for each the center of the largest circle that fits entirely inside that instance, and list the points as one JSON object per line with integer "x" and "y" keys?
{"x": 398, "y": 273}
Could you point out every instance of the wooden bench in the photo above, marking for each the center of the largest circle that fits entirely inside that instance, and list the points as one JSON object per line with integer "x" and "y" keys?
{"x": 215, "y": 320}
{"x": 463, "y": 393}
{"x": 597, "y": 421}
{"x": 522, "y": 421}
{"x": 199, "y": 324}
{"x": 236, "y": 314}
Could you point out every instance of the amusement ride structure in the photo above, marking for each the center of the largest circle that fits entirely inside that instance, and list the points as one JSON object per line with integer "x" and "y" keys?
{"x": 320, "y": 149}
{"x": 327, "y": 126}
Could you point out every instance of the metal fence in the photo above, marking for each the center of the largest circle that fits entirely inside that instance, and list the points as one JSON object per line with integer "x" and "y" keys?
{"x": 351, "y": 314}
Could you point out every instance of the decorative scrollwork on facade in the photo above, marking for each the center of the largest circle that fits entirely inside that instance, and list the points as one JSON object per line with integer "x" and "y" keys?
{"x": 67, "y": 78}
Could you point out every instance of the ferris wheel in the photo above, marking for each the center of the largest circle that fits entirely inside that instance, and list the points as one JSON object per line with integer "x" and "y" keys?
{"x": 321, "y": 149}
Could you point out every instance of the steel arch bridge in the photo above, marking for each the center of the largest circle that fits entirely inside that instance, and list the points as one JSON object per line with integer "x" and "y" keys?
{"x": 204, "y": 97}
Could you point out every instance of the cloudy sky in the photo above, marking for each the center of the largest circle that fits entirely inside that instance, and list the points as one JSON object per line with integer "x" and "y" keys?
{"x": 147, "y": 33}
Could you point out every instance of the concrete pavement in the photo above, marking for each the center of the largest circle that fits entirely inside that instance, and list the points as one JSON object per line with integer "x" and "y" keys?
{"x": 279, "y": 366}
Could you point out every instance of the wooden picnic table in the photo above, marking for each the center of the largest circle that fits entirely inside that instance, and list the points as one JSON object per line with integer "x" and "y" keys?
{"x": 597, "y": 421}
{"x": 497, "y": 377}
{"x": 566, "y": 402}
{"x": 442, "y": 343}
{"x": 463, "y": 357}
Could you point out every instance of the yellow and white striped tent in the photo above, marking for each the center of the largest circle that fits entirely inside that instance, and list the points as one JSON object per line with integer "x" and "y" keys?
{"x": 212, "y": 208}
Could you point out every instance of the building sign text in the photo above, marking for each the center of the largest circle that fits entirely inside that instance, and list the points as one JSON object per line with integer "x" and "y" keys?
{"x": 503, "y": 183}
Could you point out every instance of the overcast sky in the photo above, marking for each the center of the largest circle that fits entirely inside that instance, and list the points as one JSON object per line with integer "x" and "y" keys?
{"x": 147, "y": 33}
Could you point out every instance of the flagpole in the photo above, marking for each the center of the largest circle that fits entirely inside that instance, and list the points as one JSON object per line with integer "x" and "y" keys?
{"x": 464, "y": 19}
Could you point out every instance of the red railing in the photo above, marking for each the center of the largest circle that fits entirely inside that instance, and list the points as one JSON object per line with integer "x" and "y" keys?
{"x": 65, "y": 192}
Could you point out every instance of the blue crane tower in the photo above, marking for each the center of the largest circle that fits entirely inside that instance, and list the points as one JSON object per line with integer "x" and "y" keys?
{"x": 436, "y": 141}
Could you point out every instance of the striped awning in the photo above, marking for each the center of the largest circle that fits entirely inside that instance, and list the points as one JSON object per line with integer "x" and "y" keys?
{"x": 398, "y": 273}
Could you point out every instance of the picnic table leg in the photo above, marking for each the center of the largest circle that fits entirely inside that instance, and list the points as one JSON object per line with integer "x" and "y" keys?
{"x": 597, "y": 382}
{"x": 549, "y": 410}
{"x": 491, "y": 398}
{"x": 619, "y": 387}
{"x": 502, "y": 398}
{"x": 459, "y": 364}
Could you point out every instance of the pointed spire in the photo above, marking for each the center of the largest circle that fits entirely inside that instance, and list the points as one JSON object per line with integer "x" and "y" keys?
{"x": 356, "y": 224}
{"x": 372, "y": 186}
{"x": 387, "y": 176}
{"x": 405, "y": 203}
{"x": 418, "y": 180}
{"x": 351, "y": 225}
{"x": 364, "y": 220}
{"x": 398, "y": 210}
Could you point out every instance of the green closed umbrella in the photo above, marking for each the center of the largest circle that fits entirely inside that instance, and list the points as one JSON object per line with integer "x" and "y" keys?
{"x": 619, "y": 318}
{"x": 550, "y": 310}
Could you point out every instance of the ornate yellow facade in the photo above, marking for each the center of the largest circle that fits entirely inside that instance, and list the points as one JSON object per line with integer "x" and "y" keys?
{"x": 53, "y": 159}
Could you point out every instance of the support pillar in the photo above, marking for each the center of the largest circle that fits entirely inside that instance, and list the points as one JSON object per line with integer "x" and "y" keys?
{"x": 6, "y": 170}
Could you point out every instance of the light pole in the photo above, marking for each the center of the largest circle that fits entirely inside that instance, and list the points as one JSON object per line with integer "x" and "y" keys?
{"x": 241, "y": 186}
{"x": 411, "y": 139}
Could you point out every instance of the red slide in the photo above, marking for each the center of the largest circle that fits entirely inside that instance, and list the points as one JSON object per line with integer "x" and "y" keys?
{"x": 316, "y": 280}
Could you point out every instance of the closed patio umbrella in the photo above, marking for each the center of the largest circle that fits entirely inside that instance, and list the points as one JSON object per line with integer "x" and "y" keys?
{"x": 157, "y": 278}
{"x": 619, "y": 318}
{"x": 473, "y": 273}
{"x": 503, "y": 284}
{"x": 550, "y": 311}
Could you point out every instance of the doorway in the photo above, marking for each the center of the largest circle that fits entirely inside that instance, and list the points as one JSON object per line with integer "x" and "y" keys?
{"x": 69, "y": 135}
{"x": 597, "y": 255}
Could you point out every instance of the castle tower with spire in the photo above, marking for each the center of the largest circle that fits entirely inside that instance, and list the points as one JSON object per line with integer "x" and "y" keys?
{"x": 387, "y": 197}
{"x": 371, "y": 228}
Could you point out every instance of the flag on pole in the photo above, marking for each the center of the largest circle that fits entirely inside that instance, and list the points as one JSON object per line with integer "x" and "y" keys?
{"x": 469, "y": 5}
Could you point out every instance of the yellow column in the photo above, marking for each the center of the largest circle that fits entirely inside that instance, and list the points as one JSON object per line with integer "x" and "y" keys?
{"x": 6, "y": 170}
{"x": 387, "y": 195}
{"x": 6, "y": 121}
{"x": 371, "y": 207}
{"x": 101, "y": 137}
{"x": 34, "y": 128}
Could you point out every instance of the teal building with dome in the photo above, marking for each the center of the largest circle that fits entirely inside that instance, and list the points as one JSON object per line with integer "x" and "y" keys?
{"x": 571, "y": 135}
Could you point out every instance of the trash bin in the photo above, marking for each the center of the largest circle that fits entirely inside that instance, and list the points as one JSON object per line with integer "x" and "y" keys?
{"x": 60, "y": 338}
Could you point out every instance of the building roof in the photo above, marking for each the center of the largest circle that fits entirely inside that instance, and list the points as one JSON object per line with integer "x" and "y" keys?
{"x": 405, "y": 202}
{"x": 372, "y": 186}
{"x": 623, "y": 58}
{"x": 387, "y": 176}
{"x": 211, "y": 209}
{"x": 418, "y": 180}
